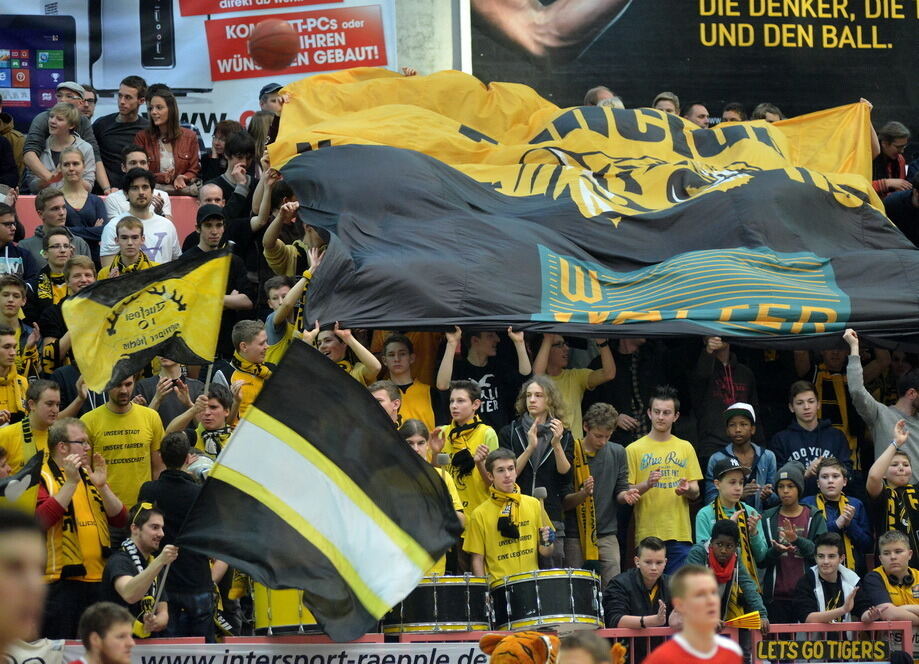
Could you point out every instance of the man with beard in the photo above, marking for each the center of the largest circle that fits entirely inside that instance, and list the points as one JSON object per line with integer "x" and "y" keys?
{"x": 132, "y": 574}
{"x": 128, "y": 436}
{"x": 105, "y": 630}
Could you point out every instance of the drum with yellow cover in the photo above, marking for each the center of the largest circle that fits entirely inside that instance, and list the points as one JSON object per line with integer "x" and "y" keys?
{"x": 281, "y": 612}
{"x": 565, "y": 599}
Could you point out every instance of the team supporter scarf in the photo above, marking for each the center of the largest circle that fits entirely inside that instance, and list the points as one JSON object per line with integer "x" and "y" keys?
{"x": 838, "y": 382}
{"x": 459, "y": 437}
{"x": 728, "y": 573}
{"x": 147, "y": 603}
{"x": 847, "y": 541}
{"x": 50, "y": 286}
{"x": 746, "y": 548}
{"x": 251, "y": 368}
{"x": 586, "y": 511}
{"x": 65, "y": 539}
{"x": 27, "y": 358}
{"x": 903, "y": 512}
{"x": 214, "y": 439}
{"x": 118, "y": 267}
{"x": 510, "y": 508}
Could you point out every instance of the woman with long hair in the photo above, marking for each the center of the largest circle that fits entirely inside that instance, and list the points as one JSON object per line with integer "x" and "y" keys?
{"x": 542, "y": 444}
{"x": 172, "y": 150}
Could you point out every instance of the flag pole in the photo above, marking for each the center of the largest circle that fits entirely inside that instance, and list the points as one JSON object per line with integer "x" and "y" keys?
{"x": 161, "y": 587}
{"x": 210, "y": 372}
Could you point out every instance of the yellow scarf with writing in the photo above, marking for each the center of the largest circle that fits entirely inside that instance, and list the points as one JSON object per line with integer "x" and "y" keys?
{"x": 257, "y": 370}
{"x": 838, "y": 381}
{"x": 586, "y": 512}
{"x": 746, "y": 548}
{"x": 847, "y": 541}
{"x": 508, "y": 518}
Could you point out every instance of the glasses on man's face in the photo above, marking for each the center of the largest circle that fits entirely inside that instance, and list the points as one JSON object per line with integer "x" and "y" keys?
{"x": 58, "y": 246}
{"x": 81, "y": 443}
{"x": 70, "y": 96}
{"x": 90, "y": 101}
{"x": 8, "y": 224}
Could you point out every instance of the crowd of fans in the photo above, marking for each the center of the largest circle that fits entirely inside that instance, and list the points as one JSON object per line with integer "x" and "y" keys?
{"x": 773, "y": 467}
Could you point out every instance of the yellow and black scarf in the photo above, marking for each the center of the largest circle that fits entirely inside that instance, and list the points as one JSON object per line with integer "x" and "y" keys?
{"x": 902, "y": 512}
{"x": 838, "y": 401}
{"x": 847, "y": 541}
{"x": 459, "y": 436}
{"x": 251, "y": 368}
{"x": 27, "y": 358}
{"x": 586, "y": 512}
{"x": 118, "y": 267}
{"x": 148, "y": 603}
{"x": 508, "y": 519}
{"x": 51, "y": 287}
{"x": 746, "y": 547}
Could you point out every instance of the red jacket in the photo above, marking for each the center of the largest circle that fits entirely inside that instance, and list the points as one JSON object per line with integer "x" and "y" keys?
{"x": 184, "y": 153}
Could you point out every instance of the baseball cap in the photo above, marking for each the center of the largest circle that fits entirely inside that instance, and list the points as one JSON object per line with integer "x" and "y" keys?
{"x": 269, "y": 89}
{"x": 726, "y": 465}
{"x": 209, "y": 211}
{"x": 740, "y": 408}
{"x": 73, "y": 87}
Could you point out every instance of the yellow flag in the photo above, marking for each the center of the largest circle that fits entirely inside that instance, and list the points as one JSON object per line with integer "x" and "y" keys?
{"x": 119, "y": 325}
{"x": 506, "y": 135}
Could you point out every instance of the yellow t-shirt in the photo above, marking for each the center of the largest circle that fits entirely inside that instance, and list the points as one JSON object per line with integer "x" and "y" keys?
{"x": 441, "y": 565}
{"x": 12, "y": 440}
{"x": 416, "y": 404}
{"x": 13, "y": 392}
{"x": 660, "y": 512}
{"x": 572, "y": 383}
{"x": 504, "y": 556}
{"x": 127, "y": 442}
{"x": 472, "y": 488}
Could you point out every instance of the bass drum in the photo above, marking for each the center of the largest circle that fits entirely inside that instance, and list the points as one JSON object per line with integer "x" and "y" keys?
{"x": 441, "y": 604}
{"x": 564, "y": 599}
{"x": 281, "y": 612}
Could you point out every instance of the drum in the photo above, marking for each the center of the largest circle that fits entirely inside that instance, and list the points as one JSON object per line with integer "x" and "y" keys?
{"x": 441, "y": 604}
{"x": 281, "y": 612}
{"x": 562, "y": 598}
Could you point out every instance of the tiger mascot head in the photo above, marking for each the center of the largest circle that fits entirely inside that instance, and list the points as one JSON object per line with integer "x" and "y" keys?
{"x": 532, "y": 648}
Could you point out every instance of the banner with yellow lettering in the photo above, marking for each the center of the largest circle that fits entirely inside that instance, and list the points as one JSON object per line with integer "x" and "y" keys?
{"x": 449, "y": 202}
{"x": 172, "y": 310}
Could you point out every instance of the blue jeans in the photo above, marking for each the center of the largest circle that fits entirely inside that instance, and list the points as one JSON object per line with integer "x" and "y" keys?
{"x": 676, "y": 555}
{"x": 191, "y": 614}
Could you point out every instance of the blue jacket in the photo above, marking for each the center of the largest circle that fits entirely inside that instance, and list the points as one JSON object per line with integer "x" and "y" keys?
{"x": 764, "y": 471}
{"x": 798, "y": 444}
{"x": 858, "y": 530}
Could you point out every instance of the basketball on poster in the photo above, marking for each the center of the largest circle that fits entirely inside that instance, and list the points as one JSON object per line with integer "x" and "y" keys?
{"x": 199, "y": 48}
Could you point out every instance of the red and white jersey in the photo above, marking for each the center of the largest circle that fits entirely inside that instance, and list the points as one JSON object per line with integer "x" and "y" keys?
{"x": 678, "y": 650}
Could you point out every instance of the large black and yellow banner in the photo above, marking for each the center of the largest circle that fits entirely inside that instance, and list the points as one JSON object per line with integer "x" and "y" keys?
{"x": 119, "y": 325}
{"x": 319, "y": 492}
{"x": 803, "y": 55}
{"x": 449, "y": 203}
